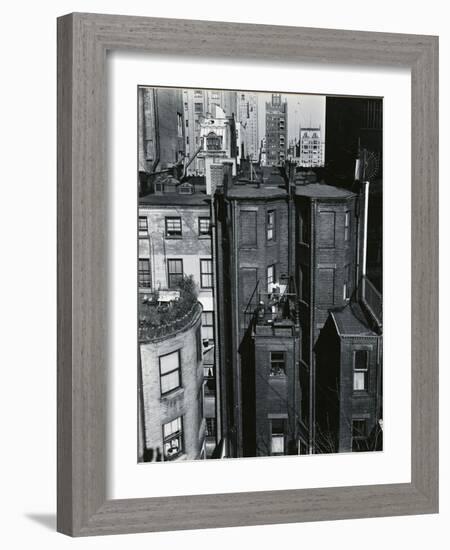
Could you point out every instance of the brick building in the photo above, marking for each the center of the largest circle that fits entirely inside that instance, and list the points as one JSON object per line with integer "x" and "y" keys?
{"x": 258, "y": 327}
{"x": 289, "y": 256}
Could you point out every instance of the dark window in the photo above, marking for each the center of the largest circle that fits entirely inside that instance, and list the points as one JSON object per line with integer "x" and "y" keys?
{"x": 174, "y": 272}
{"x": 213, "y": 142}
{"x": 173, "y": 438}
{"x": 277, "y": 443}
{"x": 211, "y": 424}
{"x": 206, "y": 275}
{"x": 277, "y": 363}
{"x": 170, "y": 372}
{"x": 208, "y": 325}
{"x": 209, "y": 379}
{"x": 143, "y": 223}
{"x": 144, "y": 275}
{"x": 271, "y": 225}
{"x": 204, "y": 225}
{"x": 346, "y": 291}
{"x": 173, "y": 227}
{"x": 198, "y": 107}
{"x": 360, "y": 370}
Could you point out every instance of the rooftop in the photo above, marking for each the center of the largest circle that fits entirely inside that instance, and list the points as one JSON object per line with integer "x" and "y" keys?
{"x": 269, "y": 183}
{"x": 160, "y": 319}
{"x": 196, "y": 199}
{"x": 322, "y": 190}
{"x": 351, "y": 320}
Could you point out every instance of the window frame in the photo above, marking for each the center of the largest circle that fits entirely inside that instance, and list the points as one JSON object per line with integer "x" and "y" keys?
{"x": 278, "y": 361}
{"x": 207, "y": 273}
{"x": 347, "y": 225}
{"x": 201, "y": 232}
{"x": 174, "y": 273}
{"x": 161, "y": 375}
{"x": 208, "y": 326}
{"x": 271, "y": 226}
{"x": 359, "y": 370}
{"x": 179, "y": 434}
{"x": 143, "y": 219}
{"x": 143, "y": 273}
{"x": 173, "y": 234}
{"x": 270, "y": 278}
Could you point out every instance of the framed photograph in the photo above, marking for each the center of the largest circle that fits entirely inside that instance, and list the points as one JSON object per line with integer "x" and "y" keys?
{"x": 247, "y": 274}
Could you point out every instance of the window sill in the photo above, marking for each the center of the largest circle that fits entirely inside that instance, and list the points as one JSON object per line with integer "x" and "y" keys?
{"x": 172, "y": 394}
{"x": 174, "y": 237}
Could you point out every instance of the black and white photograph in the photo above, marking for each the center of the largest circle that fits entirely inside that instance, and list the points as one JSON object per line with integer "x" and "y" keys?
{"x": 259, "y": 274}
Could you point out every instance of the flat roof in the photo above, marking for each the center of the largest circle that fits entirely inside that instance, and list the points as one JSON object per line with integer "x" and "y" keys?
{"x": 322, "y": 190}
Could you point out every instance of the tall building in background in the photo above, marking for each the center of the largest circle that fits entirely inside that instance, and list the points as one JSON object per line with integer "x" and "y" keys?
{"x": 247, "y": 115}
{"x": 161, "y": 134}
{"x": 276, "y": 131}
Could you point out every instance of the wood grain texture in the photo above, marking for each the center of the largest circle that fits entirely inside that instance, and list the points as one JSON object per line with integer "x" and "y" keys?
{"x": 83, "y": 40}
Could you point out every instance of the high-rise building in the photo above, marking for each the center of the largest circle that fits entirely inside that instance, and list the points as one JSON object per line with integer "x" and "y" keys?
{"x": 161, "y": 129}
{"x": 276, "y": 131}
{"x": 247, "y": 115}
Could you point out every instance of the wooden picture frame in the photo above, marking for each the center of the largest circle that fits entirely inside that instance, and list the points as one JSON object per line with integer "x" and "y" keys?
{"x": 83, "y": 41}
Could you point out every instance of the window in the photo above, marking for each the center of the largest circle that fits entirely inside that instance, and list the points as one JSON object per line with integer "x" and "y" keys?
{"x": 143, "y": 223}
{"x": 173, "y": 227}
{"x": 213, "y": 142}
{"x": 198, "y": 107}
{"x": 144, "y": 275}
{"x": 204, "y": 226}
{"x": 173, "y": 438}
{"x": 211, "y": 425}
{"x": 174, "y": 273}
{"x": 206, "y": 275}
{"x": 270, "y": 277}
{"x": 360, "y": 370}
{"x": 347, "y": 226}
{"x": 277, "y": 363}
{"x": 346, "y": 291}
{"x": 277, "y": 443}
{"x": 271, "y": 225}
{"x": 180, "y": 124}
{"x": 215, "y": 95}
{"x": 187, "y": 123}
{"x": 170, "y": 372}
{"x": 208, "y": 325}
